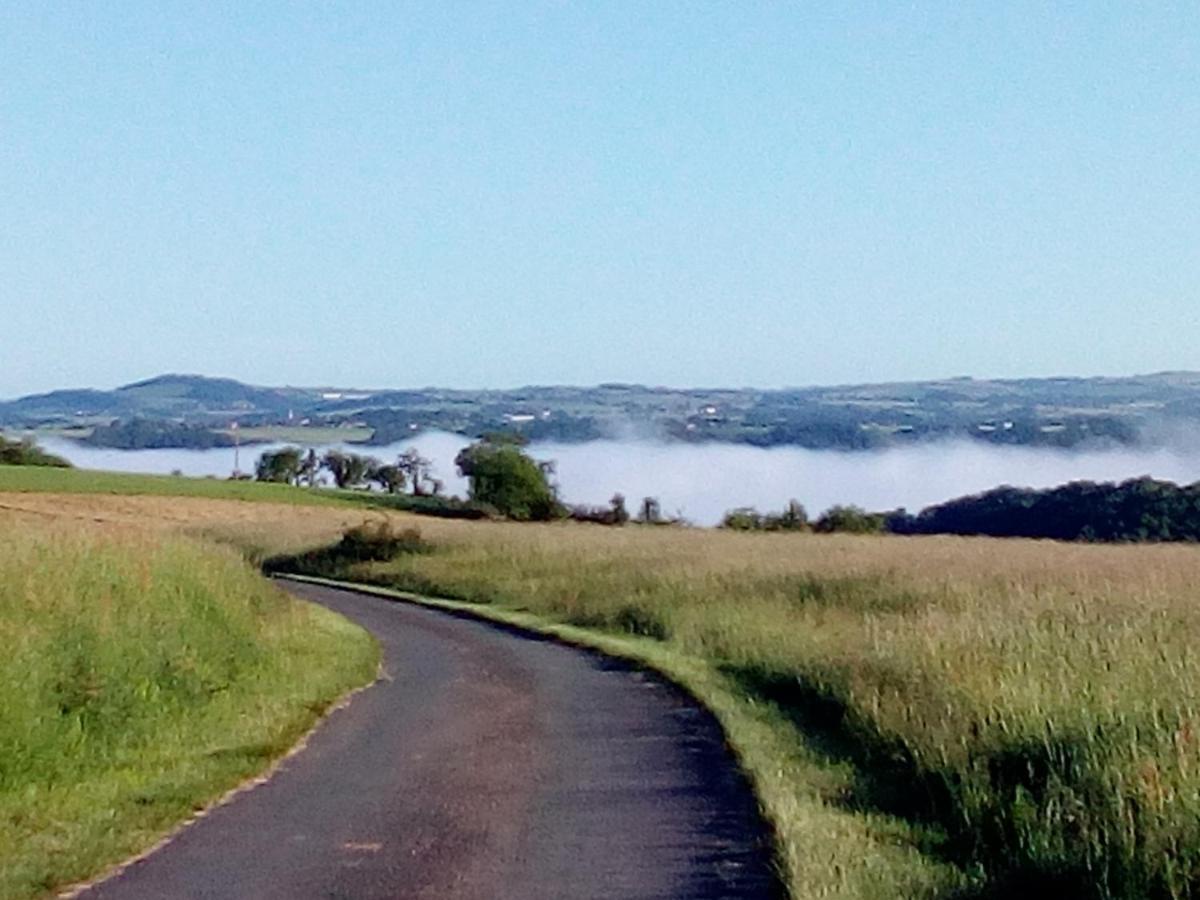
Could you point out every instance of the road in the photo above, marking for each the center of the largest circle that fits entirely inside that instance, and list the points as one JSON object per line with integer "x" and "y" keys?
{"x": 484, "y": 765}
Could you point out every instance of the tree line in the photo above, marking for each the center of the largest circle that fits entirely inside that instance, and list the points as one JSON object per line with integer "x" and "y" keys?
{"x": 1139, "y": 509}
{"x": 292, "y": 465}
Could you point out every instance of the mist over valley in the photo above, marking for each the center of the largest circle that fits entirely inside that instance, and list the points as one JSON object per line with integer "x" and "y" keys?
{"x": 703, "y": 481}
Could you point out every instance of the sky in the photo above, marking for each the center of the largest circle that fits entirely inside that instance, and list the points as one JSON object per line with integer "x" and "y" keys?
{"x": 489, "y": 195}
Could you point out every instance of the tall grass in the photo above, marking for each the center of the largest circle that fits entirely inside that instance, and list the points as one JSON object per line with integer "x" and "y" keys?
{"x": 142, "y": 676}
{"x": 925, "y": 717}
{"x": 1022, "y": 716}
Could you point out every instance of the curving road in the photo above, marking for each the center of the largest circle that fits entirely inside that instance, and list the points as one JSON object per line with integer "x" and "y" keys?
{"x": 486, "y": 765}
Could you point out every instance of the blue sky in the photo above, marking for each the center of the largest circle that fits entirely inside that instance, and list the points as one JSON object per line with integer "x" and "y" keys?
{"x": 475, "y": 194}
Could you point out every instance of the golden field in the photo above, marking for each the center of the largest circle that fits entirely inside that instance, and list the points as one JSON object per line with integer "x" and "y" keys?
{"x": 923, "y": 717}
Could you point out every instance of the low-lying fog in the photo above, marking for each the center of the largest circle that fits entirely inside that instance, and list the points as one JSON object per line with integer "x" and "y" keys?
{"x": 702, "y": 481}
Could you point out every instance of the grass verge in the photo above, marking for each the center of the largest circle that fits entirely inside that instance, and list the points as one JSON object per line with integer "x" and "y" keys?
{"x": 823, "y": 849}
{"x": 924, "y": 717}
{"x": 145, "y": 675}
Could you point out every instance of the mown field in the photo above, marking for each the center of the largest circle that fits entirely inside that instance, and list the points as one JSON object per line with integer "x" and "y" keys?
{"x": 145, "y": 673}
{"x": 923, "y": 717}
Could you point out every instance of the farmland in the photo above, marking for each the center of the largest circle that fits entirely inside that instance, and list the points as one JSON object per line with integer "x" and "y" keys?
{"x": 923, "y": 717}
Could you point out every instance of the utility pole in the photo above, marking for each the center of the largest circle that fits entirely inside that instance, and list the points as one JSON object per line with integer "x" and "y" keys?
{"x": 237, "y": 450}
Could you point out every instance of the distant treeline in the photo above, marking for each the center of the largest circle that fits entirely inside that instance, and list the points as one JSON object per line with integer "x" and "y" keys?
{"x": 1141, "y": 509}
{"x": 27, "y": 453}
{"x": 156, "y": 434}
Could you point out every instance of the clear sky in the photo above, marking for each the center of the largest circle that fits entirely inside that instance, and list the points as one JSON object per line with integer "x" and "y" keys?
{"x": 477, "y": 194}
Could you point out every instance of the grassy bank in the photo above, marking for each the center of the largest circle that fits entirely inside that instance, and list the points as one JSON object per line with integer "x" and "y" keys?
{"x": 926, "y": 717}
{"x": 144, "y": 675}
{"x": 43, "y": 480}
{"x": 33, "y": 479}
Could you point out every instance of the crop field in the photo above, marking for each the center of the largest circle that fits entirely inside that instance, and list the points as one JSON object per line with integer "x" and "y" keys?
{"x": 144, "y": 673}
{"x": 923, "y": 717}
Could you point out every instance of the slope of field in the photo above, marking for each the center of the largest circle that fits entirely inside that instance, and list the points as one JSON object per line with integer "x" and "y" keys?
{"x": 144, "y": 674}
{"x": 33, "y": 479}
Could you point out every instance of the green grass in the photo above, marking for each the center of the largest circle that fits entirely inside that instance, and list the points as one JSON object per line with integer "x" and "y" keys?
{"x": 37, "y": 479}
{"x": 144, "y": 675}
{"x": 40, "y": 479}
{"x": 925, "y": 717}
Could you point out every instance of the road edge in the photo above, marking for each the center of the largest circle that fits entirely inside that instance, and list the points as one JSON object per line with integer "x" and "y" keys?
{"x": 76, "y": 889}
{"x": 631, "y": 651}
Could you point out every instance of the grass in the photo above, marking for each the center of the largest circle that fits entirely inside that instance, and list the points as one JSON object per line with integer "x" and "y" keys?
{"x": 145, "y": 674}
{"x": 925, "y": 717}
{"x": 37, "y": 479}
{"x": 922, "y": 717}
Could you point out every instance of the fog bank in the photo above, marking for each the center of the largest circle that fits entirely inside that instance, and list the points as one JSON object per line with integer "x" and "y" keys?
{"x": 702, "y": 481}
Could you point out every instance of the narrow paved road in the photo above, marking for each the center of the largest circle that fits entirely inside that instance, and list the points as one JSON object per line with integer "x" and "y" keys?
{"x": 486, "y": 766}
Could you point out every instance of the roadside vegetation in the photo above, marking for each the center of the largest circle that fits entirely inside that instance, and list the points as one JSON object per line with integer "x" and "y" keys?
{"x": 145, "y": 674}
{"x": 925, "y": 717}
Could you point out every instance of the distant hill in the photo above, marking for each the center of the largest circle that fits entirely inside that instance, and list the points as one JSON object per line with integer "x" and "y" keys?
{"x": 1058, "y": 412}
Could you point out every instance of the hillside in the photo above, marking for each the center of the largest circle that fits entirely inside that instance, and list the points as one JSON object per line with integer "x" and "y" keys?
{"x": 1056, "y": 412}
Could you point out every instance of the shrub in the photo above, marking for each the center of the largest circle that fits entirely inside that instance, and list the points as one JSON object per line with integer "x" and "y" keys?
{"x": 849, "y": 519}
{"x": 27, "y": 453}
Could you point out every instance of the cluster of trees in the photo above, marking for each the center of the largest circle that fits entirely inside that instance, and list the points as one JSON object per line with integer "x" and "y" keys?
{"x": 1140, "y": 509}
{"x": 794, "y": 517}
{"x": 848, "y": 519}
{"x": 27, "y": 453}
{"x": 291, "y": 465}
{"x": 616, "y": 513}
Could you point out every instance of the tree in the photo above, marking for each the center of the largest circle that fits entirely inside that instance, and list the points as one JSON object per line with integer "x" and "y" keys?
{"x": 348, "y": 469}
{"x": 502, "y": 476}
{"x": 651, "y": 511}
{"x": 620, "y": 515}
{"x": 388, "y": 476}
{"x": 415, "y": 468}
{"x": 310, "y": 468}
{"x": 280, "y": 466}
{"x": 794, "y": 517}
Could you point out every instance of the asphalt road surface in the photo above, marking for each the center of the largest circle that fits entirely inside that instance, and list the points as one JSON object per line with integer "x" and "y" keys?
{"x": 485, "y": 765}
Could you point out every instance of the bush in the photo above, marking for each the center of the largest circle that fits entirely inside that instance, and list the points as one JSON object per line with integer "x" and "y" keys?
{"x": 27, "y": 453}
{"x": 379, "y": 540}
{"x": 744, "y": 518}
{"x": 747, "y": 518}
{"x": 849, "y": 519}
{"x": 373, "y": 541}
